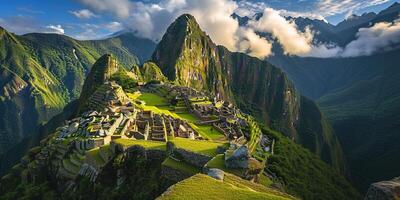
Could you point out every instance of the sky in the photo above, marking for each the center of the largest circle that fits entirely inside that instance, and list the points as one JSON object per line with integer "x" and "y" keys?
{"x": 96, "y": 19}
{"x": 75, "y": 18}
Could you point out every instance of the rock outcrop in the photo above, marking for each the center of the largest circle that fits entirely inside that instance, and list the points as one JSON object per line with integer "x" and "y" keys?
{"x": 384, "y": 190}
{"x": 239, "y": 158}
{"x": 216, "y": 173}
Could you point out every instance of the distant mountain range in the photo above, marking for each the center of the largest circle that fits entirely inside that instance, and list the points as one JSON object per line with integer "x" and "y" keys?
{"x": 359, "y": 95}
{"x": 342, "y": 33}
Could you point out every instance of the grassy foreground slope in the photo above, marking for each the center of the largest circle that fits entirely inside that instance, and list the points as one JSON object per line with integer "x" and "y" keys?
{"x": 201, "y": 186}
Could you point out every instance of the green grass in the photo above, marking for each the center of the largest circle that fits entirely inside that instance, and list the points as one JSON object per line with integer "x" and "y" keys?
{"x": 157, "y": 110}
{"x": 203, "y": 147}
{"x": 152, "y": 99}
{"x": 181, "y": 166}
{"x": 201, "y": 186}
{"x": 134, "y": 95}
{"x": 209, "y": 132}
{"x": 188, "y": 117}
{"x": 219, "y": 162}
{"x": 69, "y": 166}
{"x": 148, "y": 144}
{"x": 202, "y": 103}
{"x": 264, "y": 180}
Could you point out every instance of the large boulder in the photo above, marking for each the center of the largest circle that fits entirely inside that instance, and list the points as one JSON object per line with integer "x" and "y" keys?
{"x": 216, "y": 173}
{"x": 384, "y": 190}
{"x": 239, "y": 159}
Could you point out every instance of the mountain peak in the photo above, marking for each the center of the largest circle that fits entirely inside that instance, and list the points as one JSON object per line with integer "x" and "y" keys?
{"x": 183, "y": 38}
{"x": 393, "y": 9}
{"x": 395, "y": 4}
{"x": 186, "y": 17}
{"x": 101, "y": 71}
{"x": 185, "y": 23}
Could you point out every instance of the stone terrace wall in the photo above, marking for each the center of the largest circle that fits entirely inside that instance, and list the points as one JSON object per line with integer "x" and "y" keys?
{"x": 196, "y": 159}
{"x": 173, "y": 174}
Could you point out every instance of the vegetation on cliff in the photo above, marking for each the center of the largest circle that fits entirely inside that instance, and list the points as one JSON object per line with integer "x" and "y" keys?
{"x": 303, "y": 174}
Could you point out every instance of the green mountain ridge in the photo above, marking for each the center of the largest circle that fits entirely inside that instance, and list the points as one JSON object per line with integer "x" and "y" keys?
{"x": 360, "y": 97}
{"x": 187, "y": 56}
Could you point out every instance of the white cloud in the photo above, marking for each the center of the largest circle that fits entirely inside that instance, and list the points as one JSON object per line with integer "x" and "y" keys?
{"x": 150, "y": 20}
{"x": 333, "y": 7}
{"x": 96, "y": 31}
{"x": 292, "y": 40}
{"x": 249, "y": 9}
{"x": 26, "y": 24}
{"x": 113, "y": 26}
{"x": 83, "y": 14}
{"x": 54, "y": 29}
{"x": 120, "y": 8}
{"x": 319, "y": 9}
{"x": 381, "y": 36}
{"x": 309, "y": 15}
{"x": 253, "y": 44}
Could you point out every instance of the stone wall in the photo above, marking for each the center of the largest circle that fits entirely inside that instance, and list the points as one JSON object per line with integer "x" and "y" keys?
{"x": 196, "y": 159}
{"x": 89, "y": 171}
{"x": 173, "y": 174}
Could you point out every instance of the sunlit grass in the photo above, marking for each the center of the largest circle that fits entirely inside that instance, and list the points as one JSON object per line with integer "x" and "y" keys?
{"x": 208, "y": 132}
{"x": 181, "y": 166}
{"x": 197, "y": 146}
{"x": 148, "y": 144}
{"x": 152, "y": 99}
{"x": 201, "y": 186}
